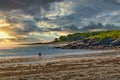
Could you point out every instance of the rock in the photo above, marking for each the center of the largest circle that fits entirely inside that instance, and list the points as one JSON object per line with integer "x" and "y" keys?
{"x": 116, "y": 42}
{"x": 93, "y": 44}
{"x": 106, "y": 42}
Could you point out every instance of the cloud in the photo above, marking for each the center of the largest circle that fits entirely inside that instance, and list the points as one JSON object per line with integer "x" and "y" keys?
{"x": 115, "y": 2}
{"x": 21, "y": 4}
{"x": 90, "y": 27}
{"x": 21, "y": 30}
{"x": 99, "y": 26}
{"x": 47, "y": 19}
{"x": 35, "y": 8}
{"x": 66, "y": 29}
{"x": 20, "y": 41}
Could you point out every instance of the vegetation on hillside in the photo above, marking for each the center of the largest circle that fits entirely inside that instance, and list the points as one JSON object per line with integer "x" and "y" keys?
{"x": 114, "y": 34}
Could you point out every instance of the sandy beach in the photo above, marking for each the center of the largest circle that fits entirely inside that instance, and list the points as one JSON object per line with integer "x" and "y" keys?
{"x": 102, "y": 66}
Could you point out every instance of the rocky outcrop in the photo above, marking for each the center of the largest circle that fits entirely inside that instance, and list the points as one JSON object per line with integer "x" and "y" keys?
{"x": 116, "y": 42}
{"x": 93, "y": 44}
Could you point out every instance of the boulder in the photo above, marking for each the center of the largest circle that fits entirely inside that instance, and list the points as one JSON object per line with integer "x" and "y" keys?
{"x": 116, "y": 42}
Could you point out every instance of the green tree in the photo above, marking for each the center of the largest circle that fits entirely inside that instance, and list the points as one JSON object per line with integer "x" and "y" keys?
{"x": 56, "y": 39}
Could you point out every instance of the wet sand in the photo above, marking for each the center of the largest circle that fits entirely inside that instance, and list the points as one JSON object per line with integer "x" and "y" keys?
{"x": 105, "y": 66}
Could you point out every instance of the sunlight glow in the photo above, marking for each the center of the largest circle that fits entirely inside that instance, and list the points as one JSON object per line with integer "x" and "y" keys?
{"x": 4, "y": 35}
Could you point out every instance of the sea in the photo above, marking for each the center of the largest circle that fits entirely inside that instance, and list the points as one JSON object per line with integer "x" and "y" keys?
{"x": 45, "y": 50}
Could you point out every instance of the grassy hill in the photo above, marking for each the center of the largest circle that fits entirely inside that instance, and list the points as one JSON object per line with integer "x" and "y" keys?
{"x": 101, "y": 35}
{"x": 92, "y": 40}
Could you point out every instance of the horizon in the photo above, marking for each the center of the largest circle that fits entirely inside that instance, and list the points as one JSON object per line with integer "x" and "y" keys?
{"x": 42, "y": 21}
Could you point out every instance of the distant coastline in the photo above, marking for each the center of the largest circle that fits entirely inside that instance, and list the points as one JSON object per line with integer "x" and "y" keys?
{"x": 89, "y": 40}
{"x": 34, "y": 43}
{"x": 39, "y": 43}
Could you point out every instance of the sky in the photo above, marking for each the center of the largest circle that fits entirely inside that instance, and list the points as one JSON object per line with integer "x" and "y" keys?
{"x": 26, "y": 21}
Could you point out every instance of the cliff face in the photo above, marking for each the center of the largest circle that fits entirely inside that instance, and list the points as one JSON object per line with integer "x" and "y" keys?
{"x": 94, "y": 44}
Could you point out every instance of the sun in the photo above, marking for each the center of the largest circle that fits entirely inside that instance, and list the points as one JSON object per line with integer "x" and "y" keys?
{"x": 4, "y": 35}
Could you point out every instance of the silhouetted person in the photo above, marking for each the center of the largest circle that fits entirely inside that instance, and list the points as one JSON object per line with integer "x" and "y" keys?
{"x": 116, "y": 48}
{"x": 40, "y": 54}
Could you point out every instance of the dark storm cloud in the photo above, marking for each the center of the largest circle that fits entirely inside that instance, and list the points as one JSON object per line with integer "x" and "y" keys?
{"x": 30, "y": 25}
{"x": 81, "y": 13}
{"x": 71, "y": 28}
{"x": 27, "y": 27}
{"x": 89, "y": 10}
{"x": 65, "y": 28}
{"x": 21, "y": 4}
{"x": 116, "y": 2}
{"x": 93, "y": 26}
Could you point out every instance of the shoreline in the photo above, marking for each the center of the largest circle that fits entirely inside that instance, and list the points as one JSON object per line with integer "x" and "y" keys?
{"x": 80, "y": 54}
{"x": 43, "y": 59}
{"x": 106, "y": 65}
